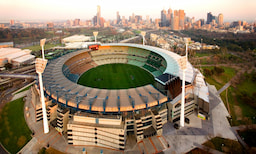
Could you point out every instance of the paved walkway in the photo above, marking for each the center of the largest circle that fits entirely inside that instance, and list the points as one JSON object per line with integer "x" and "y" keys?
{"x": 199, "y": 131}
{"x": 223, "y": 88}
{"x": 19, "y": 95}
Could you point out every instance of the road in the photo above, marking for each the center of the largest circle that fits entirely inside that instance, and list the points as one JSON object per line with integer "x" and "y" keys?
{"x": 18, "y": 76}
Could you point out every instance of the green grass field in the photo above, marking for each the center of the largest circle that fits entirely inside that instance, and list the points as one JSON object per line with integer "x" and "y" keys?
{"x": 14, "y": 132}
{"x": 116, "y": 76}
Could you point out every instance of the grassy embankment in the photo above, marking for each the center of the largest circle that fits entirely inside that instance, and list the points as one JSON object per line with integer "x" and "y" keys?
{"x": 14, "y": 131}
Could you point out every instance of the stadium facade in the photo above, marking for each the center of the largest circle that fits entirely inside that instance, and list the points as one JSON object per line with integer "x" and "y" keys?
{"x": 104, "y": 117}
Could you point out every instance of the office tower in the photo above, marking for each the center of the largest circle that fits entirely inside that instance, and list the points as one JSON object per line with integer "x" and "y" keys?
{"x": 11, "y": 22}
{"x": 118, "y": 18}
{"x": 193, "y": 20}
{"x": 133, "y": 18}
{"x": 169, "y": 17}
{"x": 181, "y": 19}
{"x": 138, "y": 18}
{"x": 102, "y": 21}
{"x": 98, "y": 15}
{"x": 202, "y": 22}
{"x": 176, "y": 23}
{"x": 147, "y": 19}
{"x": 77, "y": 22}
{"x": 220, "y": 19}
{"x": 175, "y": 20}
{"x": 69, "y": 23}
{"x": 209, "y": 18}
{"x": 163, "y": 18}
{"x": 94, "y": 20}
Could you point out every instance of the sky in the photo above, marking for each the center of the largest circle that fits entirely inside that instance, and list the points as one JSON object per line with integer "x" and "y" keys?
{"x": 51, "y": 10}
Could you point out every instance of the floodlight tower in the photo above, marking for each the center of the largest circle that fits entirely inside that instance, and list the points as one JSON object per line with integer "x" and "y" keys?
{"x": 143, "y": 33}
{"x": 42, "y": 42}
{"x": 183, "y": 65}
{"x": 40, "y": 66}
{"x": 95, "y": 35}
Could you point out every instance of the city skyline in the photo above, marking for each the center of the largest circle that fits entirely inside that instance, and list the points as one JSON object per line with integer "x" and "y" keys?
{"x": 49, "y": 10}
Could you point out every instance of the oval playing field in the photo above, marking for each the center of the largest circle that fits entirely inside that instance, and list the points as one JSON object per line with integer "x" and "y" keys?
{"x": 116, "y": 76}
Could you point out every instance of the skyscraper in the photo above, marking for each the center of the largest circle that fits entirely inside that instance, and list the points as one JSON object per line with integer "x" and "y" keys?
{"x": 181, "y": 19}
{"x": 163, "y": 18}
{"x": 118, "y": 18}
{"x": 169, "y": 17}
{"x": 77, "y": 22}
{"x": 11, "y": 22}
{"x": 98, "y": 15}
{"x": 209, "y": 18}
{"x": 220, "y": 19}
{"x": 175, "y": 22}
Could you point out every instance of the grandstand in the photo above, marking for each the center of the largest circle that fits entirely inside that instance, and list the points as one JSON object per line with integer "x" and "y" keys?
{"x": 107, "y": 116}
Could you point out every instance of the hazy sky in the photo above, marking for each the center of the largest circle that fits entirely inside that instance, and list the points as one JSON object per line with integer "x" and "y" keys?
{"x": 49, "y": 10}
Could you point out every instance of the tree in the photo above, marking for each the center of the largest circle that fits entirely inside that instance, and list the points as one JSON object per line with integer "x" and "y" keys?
{"x": 207, "y": 72}
{"x": 218, "y": 70}
{"x": 8, "y": 66}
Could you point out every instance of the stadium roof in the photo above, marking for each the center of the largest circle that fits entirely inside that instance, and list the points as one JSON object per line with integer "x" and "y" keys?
{"x": 76, "y": 38}
{"x": 24, "y": 58}
{"x": 93, "y": 99}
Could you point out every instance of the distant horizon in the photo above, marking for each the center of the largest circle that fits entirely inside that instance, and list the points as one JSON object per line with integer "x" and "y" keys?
{"x": 56, "y": 10}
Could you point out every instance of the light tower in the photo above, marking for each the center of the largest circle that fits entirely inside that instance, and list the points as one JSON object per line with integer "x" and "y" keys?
{"x": 95, "y": 35}
{"x": 40, "y": 66}
{"x": 183, "y": 65}
{"x": 143, "y": 33}
{"x": 42, "y": 42}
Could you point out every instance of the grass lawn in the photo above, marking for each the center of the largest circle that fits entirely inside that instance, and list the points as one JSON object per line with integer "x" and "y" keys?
{"x": 224, "y": 145}
{"x": 222, "y": 79}
{"x": 116, "y": 76}
{"x": 14, "y": 131}
{"x": 38, "y": 47}
{"x": 241, "y": 112}
{"x": 248, "y": 86}
{"x": 202, "y": 54}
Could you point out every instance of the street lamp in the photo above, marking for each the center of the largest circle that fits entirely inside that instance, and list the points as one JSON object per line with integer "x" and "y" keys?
{"x": 40, "y": 66}
{"x": 183, "y": 65}
{"x": 143, "y": 33}
{"x": 95, "y": 35}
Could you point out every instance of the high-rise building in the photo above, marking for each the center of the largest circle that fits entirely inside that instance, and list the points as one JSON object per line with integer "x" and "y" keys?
{"x": 118, "y": 18}
{"x": 138, "y": 18}
{"x": 147, "y": 19}
{"x": 163, "y": 18}
{"x": 102, "y": 21}
{"x": 98, "y": 15}
{"x": 77, "y": 22}
{"x": 175, "y": 20}
{"x": 220, "y": 19}
{"x": 133, "y": 18}
{"x": 11, "y": 22}
{"x": 181, "y": 19}
{"x": 169, "y": 17}
{"x": 209, "y": 18}
{"x": 202, "y": 22}
{"x": 69, "y": 23}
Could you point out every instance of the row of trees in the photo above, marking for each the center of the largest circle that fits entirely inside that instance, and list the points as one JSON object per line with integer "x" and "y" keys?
{"x": 215, "y": 71}
{"x": 233, "y": 42}
{"x": 22, "y": 35}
